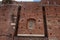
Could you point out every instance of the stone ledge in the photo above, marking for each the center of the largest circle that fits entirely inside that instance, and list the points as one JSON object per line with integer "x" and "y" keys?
{"x": 39, "y": 35}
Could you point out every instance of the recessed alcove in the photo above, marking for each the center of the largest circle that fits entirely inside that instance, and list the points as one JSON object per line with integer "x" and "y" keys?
{"x": 50, "y": 33}
{"x": 31, "y": 23}
{"x": 58, "y": 20}
{"x": 38, "y": 20}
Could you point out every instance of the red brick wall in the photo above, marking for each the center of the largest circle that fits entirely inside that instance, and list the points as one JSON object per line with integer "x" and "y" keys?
{"x": 27, "y": 12}
{"x": 6, "y": 29}
{"x": 52, "y": 15}
{"x": 30, "y": 10}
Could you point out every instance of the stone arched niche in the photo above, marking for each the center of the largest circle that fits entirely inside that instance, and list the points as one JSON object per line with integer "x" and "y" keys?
{"x": 31, "y": 23}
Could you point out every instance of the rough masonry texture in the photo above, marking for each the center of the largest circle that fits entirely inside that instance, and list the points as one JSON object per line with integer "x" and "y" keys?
{"x": 15, "y": 20}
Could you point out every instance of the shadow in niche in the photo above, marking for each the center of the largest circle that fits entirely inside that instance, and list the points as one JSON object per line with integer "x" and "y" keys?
{"x": 30, "y": 38}
{"x": 45, "y": 23}
{"x": 17, "y": 20}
